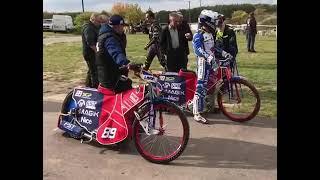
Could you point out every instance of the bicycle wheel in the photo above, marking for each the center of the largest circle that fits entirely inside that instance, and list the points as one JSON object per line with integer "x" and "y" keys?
{"x": 241, "y": 102}
{"x": 172, "y": 133}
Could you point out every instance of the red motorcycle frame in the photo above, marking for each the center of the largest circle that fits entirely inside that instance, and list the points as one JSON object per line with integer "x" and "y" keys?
{"x": 232, "y": 92}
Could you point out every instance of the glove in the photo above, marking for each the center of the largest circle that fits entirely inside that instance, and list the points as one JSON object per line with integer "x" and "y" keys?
{"x": 215, "y": 66}
{"x": 211, "y": 60}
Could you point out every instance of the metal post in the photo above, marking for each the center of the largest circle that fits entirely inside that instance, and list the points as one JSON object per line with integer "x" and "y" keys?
{"x": 189, "y": 13}
{"x": 82, "y": 6}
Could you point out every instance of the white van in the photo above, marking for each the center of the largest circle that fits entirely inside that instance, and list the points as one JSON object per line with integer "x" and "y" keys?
{"x": 62, "y": 23}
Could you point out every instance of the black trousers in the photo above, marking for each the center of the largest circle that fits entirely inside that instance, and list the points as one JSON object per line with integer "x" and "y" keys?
{"x": 92, "y": 77}
{"x": 123, "y": 85}
{"x": 176, "y": 59}
{"x": 153, "y": 51}
{"x": 115, "y": 84}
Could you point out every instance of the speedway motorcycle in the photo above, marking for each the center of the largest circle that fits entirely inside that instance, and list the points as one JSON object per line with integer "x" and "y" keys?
{"x": 158, "y": 127}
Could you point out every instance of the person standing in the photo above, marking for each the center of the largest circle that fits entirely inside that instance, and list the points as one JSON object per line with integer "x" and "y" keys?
{"x": 251, "y": 32}
{"x": 111, "y": 56}
{"x": 89, "y": 39}
{"x": 153, "y": 46}
{"x": 204, "y": 48}
{"x": 172, "y": 42}
{"x": 185, "y": 29}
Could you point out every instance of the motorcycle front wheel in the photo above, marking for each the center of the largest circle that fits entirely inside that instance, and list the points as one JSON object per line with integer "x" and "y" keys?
{"x": 172, "y": 132}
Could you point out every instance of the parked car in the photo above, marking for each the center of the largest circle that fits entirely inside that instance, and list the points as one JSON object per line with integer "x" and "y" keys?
{"x": 47, "y": 24}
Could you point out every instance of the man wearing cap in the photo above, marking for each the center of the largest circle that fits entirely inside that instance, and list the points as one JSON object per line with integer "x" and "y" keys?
{"x": 89, "y": 39}
{"x": 111, "y": 56}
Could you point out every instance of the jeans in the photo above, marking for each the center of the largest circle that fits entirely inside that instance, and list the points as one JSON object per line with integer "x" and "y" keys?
{"x": 250, "y": 41}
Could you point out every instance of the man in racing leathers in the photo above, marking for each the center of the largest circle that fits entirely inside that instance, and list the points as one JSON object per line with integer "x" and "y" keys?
{"x": 204, "y": 48}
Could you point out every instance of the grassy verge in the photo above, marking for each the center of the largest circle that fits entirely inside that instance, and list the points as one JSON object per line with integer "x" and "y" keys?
{"x": 64, "y": 62}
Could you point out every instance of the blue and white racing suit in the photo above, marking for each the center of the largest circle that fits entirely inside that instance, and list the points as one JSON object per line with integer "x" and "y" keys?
{"x": 203, "y": 45}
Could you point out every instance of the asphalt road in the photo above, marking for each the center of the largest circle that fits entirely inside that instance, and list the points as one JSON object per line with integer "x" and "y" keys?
{"x": 222, "y": 150}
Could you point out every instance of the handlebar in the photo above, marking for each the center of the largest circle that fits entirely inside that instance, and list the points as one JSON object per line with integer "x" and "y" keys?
{"x": 225, "y": 62}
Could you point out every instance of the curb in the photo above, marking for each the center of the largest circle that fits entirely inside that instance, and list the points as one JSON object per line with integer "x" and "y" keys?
{"x": 55, "y": 98}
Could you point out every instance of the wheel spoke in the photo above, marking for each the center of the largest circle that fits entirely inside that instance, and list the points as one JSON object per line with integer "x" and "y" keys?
{"x": 167, "y": 143}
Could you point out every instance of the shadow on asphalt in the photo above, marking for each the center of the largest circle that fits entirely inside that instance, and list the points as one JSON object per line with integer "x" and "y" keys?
{"x": 219, "y": 118}
{"x": 227, "y": 153}
{"x": 213, "y": 153}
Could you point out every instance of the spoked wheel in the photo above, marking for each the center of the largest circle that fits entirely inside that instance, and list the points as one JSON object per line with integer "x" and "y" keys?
{"x": 169, "y": 136}
{"x": 241, "y": 102}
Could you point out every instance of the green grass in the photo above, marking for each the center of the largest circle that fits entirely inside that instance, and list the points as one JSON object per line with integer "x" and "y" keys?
{"x": 47, "y": 34}
{"x": 64, "y": 62}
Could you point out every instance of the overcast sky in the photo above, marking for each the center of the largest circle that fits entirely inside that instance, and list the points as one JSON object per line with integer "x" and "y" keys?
{"x": 156, "y": 5}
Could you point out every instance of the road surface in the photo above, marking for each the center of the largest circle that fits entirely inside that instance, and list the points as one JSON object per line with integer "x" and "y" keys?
{"x": 222, "y": 150}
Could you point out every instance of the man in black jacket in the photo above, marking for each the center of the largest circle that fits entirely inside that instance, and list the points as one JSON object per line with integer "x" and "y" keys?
{"x": 226, "y": 38}
{"x": 184, "y": 28}
{"x": 172, "y": 42}
{"x": 89, "y": 39}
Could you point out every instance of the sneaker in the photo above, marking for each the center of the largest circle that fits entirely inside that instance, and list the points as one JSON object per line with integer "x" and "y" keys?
{"x": 200, "y": 119}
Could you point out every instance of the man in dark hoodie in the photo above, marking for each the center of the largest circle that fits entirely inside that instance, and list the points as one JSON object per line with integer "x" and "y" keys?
{"x": 111, "y": 56}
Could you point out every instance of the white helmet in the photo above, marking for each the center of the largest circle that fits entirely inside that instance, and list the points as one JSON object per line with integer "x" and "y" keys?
{"x": 209, "y": 19}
